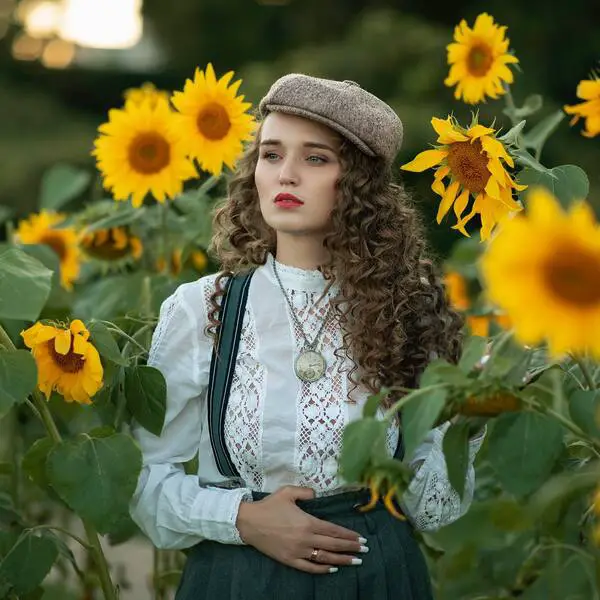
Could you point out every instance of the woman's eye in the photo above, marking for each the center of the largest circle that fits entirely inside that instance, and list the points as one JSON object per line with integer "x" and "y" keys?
{"x": 317, "y": 159}
{"x": 270, "y": 155}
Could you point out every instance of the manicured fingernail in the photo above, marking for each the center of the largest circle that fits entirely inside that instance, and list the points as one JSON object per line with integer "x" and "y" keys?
{"x": 333, "y": 569}
{"x": 364, "y": 549}
{"x": 356, "y": 561}
{"x": 362, "y": 540}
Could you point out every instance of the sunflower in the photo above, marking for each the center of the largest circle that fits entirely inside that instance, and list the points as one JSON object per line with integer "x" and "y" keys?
{"x": 199, "y": 260}
{"x": 146, "y": 93}
{"x": 43, "y": 228}
{"x": 138, "y": 152}
{"x": 66, "y": 361}
{"x": 213, "y": 120}
{"x": 472, "y": 159}
{"x": 589, "y": 91}
{"x": 113, "y": 245}
{"x": 458, "y": 297}
{"x": 552, "y": 290}
{"x": 478, "y": 60}
{"x": 174, "y": 264}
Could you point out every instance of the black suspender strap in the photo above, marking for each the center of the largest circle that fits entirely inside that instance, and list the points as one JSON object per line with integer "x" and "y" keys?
{"x": 222, "y": 365}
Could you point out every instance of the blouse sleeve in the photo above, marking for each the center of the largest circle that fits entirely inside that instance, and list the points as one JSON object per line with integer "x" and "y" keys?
{"x": 168, "y": 504}
{"x": 430, "y": 501}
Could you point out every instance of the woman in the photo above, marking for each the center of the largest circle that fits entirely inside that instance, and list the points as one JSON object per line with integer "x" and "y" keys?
{"x": 342, "y": 301}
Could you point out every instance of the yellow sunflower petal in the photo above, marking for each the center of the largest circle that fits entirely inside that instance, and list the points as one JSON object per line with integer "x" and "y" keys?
{"x": 62, "y": 341}
{"x": 425, "y": 160}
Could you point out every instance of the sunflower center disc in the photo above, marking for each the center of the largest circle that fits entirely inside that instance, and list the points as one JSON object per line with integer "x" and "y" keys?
{"x": 213, "y": 121}
{"x": 468, "y": 164}
{"x": 56, "y": 242}
{"x": 480, "y": 60}
{"x": 574, "y": 276}
{"x": 149, "y": 153}
{"x": 69, "y": 362}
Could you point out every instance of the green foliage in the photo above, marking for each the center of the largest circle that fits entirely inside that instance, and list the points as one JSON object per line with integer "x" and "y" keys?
{"x": 18, "y": 378}
{"x": 523, "y": 450}
{"x": 96, "y": 474}
{"x": 61, "y": 184}
{"x": 146, "y": 392}
{"x": 24, "y": 285}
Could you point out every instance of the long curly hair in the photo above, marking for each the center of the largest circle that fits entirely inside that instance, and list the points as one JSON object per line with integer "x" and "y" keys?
{"x": 391, "y": 304}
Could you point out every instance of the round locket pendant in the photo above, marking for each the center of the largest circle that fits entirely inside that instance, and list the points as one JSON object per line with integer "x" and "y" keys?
{"x": 310, "y": 365}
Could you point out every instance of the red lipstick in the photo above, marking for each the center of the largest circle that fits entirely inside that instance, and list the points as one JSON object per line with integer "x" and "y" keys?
{"x": 285, "y": 200}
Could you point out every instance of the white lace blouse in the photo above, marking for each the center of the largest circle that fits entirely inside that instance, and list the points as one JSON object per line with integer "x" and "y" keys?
{"x": 278, "y": 429}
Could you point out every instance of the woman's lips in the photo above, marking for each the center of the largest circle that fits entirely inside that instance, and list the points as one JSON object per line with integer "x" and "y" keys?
{"x": 288, "y": 201}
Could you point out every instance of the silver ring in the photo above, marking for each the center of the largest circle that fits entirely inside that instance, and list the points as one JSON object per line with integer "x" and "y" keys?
{"x": 313, "y": 555}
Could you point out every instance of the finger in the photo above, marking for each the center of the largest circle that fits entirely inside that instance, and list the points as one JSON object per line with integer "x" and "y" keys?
{"x": 312, "y": 567}
{"x": 337, "y": 544}
{"x": 332, "y": 530}
{"x": 295, "y": 492}
{"x": 331, "y": 558}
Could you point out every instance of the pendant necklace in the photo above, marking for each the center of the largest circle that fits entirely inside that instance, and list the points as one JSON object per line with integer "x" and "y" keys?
{"x": 310, "y": 365}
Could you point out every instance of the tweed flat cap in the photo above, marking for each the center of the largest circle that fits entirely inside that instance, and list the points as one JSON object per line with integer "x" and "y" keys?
{"x": 344, "y": 106}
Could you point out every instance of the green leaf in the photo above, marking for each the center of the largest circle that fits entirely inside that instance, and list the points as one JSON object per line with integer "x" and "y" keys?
{"x": 472, "y": 353}
{"x": 536, "y": 138}
{"x": 456, "y": 450}
{"x": 511, "y": 136}
{"x": 109, "y": 297}
{"x": 96, "y": 475}
{"x": 532, "y": 104}
{"x": 525, "y": 159}
{"x": 28, "y": 562}
{"x": 122, "y": 214}
{"x": 522, "y": 449}
{"x": 61, "y": 184}
{"x": 24, "y": 285}
{"x": 419, "y": 416}
{"x": 146, "y": 393}
{"x": 373, "y": 402}
{"x": 583, "y": 407}
{"x": 18, "y": 377}
{"x": 568, "y": 183}
{"x": 441, "y": 371}
{"x": 104, "y": 342}
{"x": 362, "y": 441}
{"x": 34, "y": 465}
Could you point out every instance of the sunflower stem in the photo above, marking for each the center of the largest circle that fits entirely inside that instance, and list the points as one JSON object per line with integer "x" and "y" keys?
{"x": 585, "y": 371}
{"x": 165, "y": 232}
{"x": 94, "y": 546}
{"x": 511, "y": 109}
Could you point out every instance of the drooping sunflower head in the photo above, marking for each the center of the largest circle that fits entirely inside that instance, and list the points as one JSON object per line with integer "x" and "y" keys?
{"x": 213, "y": 121}
{"x": 589, "y": 110}
{"x": 146, "y": 93}
{"x": 138, "y": 152}
{"x": 478, "y": 60}
{"x": 474, "y": 161}
{"x": 45, "y": 228}
{"x": 67, "y": 362}
{"x": 113, "y": 246}
{"x": 551, "y": 291}
{"x": 172, "y": 265}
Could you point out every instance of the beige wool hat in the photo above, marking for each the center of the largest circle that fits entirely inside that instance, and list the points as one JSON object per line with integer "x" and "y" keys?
{"x": 344, "y": 106}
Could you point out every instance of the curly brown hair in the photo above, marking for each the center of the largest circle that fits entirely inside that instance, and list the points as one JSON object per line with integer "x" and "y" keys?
{"x": 391, "y": 304}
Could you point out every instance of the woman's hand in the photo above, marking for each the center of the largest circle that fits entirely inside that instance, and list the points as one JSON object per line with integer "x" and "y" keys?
{"x": 280, "y": 529}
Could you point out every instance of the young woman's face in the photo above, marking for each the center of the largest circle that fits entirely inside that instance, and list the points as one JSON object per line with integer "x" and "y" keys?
{"x": 296, "y": 174}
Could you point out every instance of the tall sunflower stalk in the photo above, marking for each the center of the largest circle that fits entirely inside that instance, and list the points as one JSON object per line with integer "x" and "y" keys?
{"x": 41, "y": 410}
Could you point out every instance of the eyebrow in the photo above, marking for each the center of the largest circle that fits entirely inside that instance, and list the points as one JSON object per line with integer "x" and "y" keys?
{"x": 273, "y": 142}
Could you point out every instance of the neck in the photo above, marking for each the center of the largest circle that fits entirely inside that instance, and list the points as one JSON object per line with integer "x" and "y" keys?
{"x": 301, "y": 252}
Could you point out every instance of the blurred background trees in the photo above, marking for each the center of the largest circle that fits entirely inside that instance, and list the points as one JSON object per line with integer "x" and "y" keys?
{"x": 59, "y": 76}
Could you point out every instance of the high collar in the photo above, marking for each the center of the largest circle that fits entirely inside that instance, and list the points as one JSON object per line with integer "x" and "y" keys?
{"x": 294, "y": 278}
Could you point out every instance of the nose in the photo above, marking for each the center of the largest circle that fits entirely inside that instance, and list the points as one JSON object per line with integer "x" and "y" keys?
{"x": 288, "y": 174}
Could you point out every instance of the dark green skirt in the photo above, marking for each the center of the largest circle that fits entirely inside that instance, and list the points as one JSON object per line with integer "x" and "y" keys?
{"x": 394, "y": 567}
